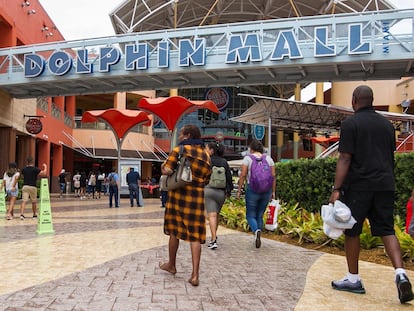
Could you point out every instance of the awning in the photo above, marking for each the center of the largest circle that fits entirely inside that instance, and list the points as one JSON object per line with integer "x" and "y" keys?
{"x": 171, "y": 109}
{"x": 298, "y": 116}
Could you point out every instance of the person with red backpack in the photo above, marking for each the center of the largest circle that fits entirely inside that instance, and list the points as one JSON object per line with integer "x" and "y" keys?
{"x": 258, "y": 170}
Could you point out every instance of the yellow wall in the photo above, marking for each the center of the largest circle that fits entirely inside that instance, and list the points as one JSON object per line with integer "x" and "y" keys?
{"x": 105, "y": 139}
{"x": 385, "y": 92}
{"x": 405, "y": 90}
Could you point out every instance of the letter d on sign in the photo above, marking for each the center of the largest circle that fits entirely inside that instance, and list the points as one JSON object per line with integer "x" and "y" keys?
{"x": 34, "y": 65}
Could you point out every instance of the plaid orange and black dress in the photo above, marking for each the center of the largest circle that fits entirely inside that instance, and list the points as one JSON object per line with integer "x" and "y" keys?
{"x": 184, "y": 212}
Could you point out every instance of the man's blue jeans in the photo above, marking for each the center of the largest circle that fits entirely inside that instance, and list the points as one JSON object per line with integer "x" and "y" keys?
{"x": 256, "y": 204}
{"x": 113, "y": 192}
{"x": 134, "y": 192}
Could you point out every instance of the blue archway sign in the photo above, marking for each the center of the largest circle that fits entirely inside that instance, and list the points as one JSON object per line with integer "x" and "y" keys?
{"x": 259, "y": 131}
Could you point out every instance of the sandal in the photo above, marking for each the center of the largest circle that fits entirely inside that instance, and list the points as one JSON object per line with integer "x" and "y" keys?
{"x": 9, "y": 217}
{"x": 166, "y": 267}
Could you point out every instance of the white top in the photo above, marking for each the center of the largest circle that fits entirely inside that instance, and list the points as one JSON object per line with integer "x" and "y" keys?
{"x": 9, "y": 181}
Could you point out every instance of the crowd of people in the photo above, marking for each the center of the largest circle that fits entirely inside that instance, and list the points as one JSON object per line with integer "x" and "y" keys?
{"x": 90, "y": 186}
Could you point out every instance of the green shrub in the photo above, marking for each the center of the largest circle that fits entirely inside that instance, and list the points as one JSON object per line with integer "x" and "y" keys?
{"x": 306, "y": 226}
{"x": 233, "y": 215}
{"x": 406, "y": 243}
{"x": 308, "y": 182}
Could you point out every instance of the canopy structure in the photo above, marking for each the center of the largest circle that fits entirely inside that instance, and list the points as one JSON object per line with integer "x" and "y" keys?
{"x": 326, "y": 142}
{"x": 144, "y": 15}
{"x": 287, "y": 114}
{"x": 171, "y": 109}
{"x": 120, "y": 121}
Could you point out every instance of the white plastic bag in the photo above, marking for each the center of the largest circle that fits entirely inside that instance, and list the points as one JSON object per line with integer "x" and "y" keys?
{"x": 272, "y": 213}
{"x": 336, "y": 218}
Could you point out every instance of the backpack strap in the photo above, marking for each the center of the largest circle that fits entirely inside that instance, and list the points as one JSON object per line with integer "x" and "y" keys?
{"x": 254, "y": 158}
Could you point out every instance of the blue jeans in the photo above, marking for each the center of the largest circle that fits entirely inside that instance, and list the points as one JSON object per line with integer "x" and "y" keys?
{"x": 256, "y": 204}
{"x": 164, "y": 197}
{"x": 134, "y": 193}
{"x": 113, "y": 192}
{"x": 62, "y": 186}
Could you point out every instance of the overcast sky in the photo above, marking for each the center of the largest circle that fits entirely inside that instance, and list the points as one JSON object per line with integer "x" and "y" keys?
{"x": 80, "y": 19}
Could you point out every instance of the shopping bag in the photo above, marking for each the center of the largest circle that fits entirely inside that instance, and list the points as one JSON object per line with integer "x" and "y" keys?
{"x": 272, "y": 213}
{"x": 336, "y": 218}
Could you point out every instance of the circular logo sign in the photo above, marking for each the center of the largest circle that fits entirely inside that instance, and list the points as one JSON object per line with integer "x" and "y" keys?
{"x": 219, "y": 96}
{"x": 34, "y": 126}
{"x": 258, "y": 131}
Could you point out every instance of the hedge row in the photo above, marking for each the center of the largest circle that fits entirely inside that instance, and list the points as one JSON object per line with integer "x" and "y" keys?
{"x": 309, "y": 182}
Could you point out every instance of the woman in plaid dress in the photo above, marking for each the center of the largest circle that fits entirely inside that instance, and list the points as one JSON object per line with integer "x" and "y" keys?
{"x": 184, "y": 214}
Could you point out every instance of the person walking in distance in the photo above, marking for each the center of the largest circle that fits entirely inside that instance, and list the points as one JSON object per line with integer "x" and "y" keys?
{"x": 11, "y": 185}
{"x": 113, "y": 188}
{"x": 77, "y": 183}
{"x": 364, "y": 181}
{"x": 29, "y": 190}
{"x": 218, "y": 189}
{"x": 99, "y": 180}
{"x": 62, "y": 182}
{"x": 83, "y": 184}
{"x": 133, "y": 180}
{"x": 163, "y": 191}
{"x": 91, "y": 184}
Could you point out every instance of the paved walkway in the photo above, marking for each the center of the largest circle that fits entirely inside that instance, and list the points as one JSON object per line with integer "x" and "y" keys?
{"x": 107, "y": 259}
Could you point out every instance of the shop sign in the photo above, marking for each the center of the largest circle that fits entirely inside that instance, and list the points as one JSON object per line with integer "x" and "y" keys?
{"x": 219, "y": 96}
{"x": 34, "y": 126}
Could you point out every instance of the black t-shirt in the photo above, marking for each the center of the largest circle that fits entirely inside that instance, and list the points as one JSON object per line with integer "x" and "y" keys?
{"x": 132, "y": 177}
{"x": 62, "y": 178}
{"x": 30, "y": 174}
{"x": 370, "y": 139}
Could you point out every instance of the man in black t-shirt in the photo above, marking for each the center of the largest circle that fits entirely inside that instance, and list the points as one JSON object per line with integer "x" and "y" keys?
{"x": 364, "y": 181}
{"x": 29, "y": 189}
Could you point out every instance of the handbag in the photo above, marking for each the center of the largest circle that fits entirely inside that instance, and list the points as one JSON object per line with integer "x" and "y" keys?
{"x": 181, "y": 176}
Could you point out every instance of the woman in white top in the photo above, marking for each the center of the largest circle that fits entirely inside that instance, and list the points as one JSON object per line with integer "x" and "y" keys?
{"x": 10, "y": 183}
{"x": 257, "y": 200}
{"x": 76, "y": 183}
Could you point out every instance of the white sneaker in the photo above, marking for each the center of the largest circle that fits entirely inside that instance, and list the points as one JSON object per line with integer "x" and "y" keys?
{"x": 212, "y": 245}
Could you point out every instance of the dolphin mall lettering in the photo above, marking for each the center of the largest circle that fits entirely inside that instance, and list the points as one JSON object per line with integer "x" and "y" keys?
{"x": 240, "y": 48}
